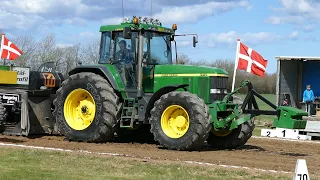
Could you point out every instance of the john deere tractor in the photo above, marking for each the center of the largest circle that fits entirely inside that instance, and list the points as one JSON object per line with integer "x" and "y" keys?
{"x": 136, "y": 84}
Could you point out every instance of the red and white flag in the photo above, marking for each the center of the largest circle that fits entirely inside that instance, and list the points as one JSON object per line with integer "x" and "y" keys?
{"x": 250, "y": 61}
{"x": 8, "y": 50}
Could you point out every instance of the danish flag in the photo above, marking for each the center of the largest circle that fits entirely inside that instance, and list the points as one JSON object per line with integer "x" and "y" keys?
{"x": 8, "y": 50}
{"x": 250, "y": 61}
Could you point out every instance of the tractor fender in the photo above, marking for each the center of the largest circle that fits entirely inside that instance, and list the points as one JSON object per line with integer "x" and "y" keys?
{"x": 97, "y": 69}
{"x": 161, "y": 92}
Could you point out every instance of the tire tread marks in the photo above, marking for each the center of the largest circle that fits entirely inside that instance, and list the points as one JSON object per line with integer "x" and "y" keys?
{"x": 109, "y": 103}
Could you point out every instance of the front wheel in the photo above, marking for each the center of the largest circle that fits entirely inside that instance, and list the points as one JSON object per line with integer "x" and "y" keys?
{"x": 180, "y": 121}
{"x": 86, "y": 108}
{"x": 229, "y": 139}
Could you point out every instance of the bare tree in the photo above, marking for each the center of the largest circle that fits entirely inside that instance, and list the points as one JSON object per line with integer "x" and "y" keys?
{"x": 182, "y": 59}
{"x": 48, "y": 51}
{"x": 90, "y": 53}
{"x": 70, "y": 55}
{"x": 28, "y": 46}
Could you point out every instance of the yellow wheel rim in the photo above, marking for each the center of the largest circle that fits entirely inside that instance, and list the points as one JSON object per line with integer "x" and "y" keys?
{"x": 79, "y": 109}
{"x": 223, "y": 132}
{"x": 175, "y": 121}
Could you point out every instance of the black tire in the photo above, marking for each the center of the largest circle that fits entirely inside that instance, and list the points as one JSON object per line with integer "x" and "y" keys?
{"x": 237, "y": 138}
{"x": 2, "y": 113}
{"x": 199, "y": 125}
{"x": 107, "y": 102}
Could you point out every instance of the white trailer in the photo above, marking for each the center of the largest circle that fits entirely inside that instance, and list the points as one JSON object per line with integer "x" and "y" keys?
{"x": 293, "y": 74}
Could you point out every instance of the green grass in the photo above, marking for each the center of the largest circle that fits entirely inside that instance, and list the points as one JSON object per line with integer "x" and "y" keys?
{"x": 37, "y": 164}
{"x": 261, "y": 104}
{"x": 263, "y": 119}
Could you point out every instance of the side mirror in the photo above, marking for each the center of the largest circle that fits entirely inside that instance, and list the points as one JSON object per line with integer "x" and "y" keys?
{"x": 127, "y": 33}
{"x": 195, "y": 41}
{"x": 172, "y": 38}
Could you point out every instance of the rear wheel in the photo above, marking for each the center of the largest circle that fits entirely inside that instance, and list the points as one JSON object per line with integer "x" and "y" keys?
{"x": 228, "y": 139}
{"x": 86, "y": 108}
{"x": 180, "y": 121}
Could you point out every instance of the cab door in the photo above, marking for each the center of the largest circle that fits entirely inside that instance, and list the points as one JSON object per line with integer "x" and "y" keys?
{"x": 147, "y": 69}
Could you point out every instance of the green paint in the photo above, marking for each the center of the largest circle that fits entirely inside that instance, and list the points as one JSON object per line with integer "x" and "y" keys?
{"x": 197, "y": 77}
{"x": 203, "y": 87}
{"x": 240, "y": 121}
{"x": 147, "y": 80}
{"x": 290, "y": 118}
{"x": 4, "y": 68}
{"x": 116, "y": 76}
{"x": 220, "y": 109}
{"x": 188, "y": 69}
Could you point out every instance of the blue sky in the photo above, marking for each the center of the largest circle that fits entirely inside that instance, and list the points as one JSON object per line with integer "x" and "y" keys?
{"x": 271, "y": 27}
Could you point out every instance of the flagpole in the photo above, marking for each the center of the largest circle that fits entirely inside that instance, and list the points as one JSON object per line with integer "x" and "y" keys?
{"x": 1, "y": 44}
{"x": 235, "y": 65}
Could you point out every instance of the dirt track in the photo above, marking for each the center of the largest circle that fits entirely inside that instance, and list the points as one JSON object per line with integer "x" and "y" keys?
{"x": 257, "y": 153}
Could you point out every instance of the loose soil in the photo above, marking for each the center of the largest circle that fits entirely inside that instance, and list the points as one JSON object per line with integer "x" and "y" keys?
{"x": 257, "y": 153}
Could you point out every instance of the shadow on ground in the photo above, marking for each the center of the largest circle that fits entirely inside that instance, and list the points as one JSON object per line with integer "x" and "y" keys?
{"x": 9, "y": 140}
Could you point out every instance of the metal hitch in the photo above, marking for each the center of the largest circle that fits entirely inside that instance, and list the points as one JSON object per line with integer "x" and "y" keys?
{"x": 286, "y": 117}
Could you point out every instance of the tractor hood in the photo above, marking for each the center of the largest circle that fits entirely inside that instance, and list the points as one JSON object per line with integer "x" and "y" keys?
{"x": 188, "y": 70}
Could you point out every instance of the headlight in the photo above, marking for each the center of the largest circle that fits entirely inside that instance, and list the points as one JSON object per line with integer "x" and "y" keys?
{"x": 218, "y": 91}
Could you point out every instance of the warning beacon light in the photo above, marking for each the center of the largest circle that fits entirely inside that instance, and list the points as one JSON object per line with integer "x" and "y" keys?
{"x": 135, "y": 21}
{"x": 174, "y": 27}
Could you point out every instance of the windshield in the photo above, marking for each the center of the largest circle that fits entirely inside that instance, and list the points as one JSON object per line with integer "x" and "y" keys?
{"x": 157, "y": 48}
{"x": 105, "y": 47}
{"x": 114, "y": 47}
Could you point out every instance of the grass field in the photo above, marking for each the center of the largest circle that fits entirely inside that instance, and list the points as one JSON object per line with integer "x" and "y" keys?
{"x": 37, "y": 164}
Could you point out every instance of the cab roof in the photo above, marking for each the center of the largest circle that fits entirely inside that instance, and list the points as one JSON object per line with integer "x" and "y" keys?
{"x": 146, "y": 24}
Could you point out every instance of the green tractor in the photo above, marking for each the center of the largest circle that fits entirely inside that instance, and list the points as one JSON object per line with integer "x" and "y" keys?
{"x": 136, "y": 86}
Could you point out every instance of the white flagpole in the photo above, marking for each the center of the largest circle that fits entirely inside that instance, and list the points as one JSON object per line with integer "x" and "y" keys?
{"x": 1, "y": 47}
{"x": 235, "y": 64}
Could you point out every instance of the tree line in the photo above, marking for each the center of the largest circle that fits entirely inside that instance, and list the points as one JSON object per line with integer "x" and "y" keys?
{"x": 67, "y": 57}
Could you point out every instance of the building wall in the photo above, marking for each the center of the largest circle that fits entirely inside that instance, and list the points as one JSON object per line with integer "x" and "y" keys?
{"x": 288, "y": 81}
{"x": 311, "y": 75}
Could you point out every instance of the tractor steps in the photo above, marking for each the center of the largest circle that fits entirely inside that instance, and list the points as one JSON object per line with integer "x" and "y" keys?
{"x": 129, "y": 113}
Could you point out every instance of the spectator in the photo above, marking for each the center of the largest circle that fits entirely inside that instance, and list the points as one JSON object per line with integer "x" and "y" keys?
{"x": 285, "y": 102}
{"x": 308, "y": 98}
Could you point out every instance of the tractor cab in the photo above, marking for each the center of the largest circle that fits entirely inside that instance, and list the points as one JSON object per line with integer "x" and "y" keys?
{"x": 121, "y": 45}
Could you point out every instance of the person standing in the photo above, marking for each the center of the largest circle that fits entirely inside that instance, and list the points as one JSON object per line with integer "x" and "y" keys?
{"x": 308, "y": 98}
